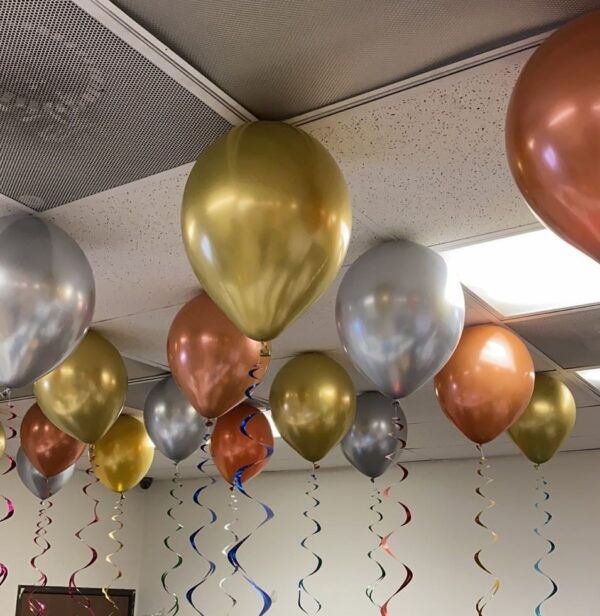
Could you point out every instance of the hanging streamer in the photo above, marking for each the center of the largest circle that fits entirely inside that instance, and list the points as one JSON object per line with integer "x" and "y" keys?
{"x": 227, "y": 548}
{"x": 74, "y": 591}
{"x": 483, "y": 466}
{"x": 302, "y": 590}
{"x": 116, "y": 518}
{"x": 10, "y": 508}
{"x": 542, "y": 489}
{"x": 174, "y": 609}
{"x": 213, "y": 518}
{"x": 376, "y": 498}
{"x": 44, "y": 521}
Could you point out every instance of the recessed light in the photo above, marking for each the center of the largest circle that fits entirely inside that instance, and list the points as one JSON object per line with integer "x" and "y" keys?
{"x": 527, "y": 273}
{"x": 590, "y": 376}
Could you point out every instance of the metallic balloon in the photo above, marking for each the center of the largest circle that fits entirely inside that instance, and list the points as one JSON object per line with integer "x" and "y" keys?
{"x": 313, "y": 404}
{"x": 172, "y": 422}
{"x": 49, "y": 449}
{"x": 232, "y": 450}
{"x": 400, "y": 313}
{"x": 2, "y": 441}
{"x": 47, "y": 298}
{"x": 40, "y": 486}
{"x": 85, "y": 394}
{"x": 487, "y": 383}
{"x": 547, "y": 421}
{"x": 211, "y": 359}
{"x": 376, "y": 436}
{"x": 124, "y": 455}
{"x": 553, "y": 133}
{"x": 266, "y": 222}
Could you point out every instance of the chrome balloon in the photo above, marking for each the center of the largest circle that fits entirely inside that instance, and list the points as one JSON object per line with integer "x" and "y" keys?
{"x": 400, "y": 314}
{"x": 36, "y": 483}
{"x": 376, "y": 436}
{"x": 47, "y": 298}
{"x": 172, "y": 423}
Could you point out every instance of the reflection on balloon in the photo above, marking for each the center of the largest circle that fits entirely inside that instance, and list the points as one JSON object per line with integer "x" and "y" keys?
{"x": 278, "y": 195}
{"x": 553, "y": 131}
{"x": 40, "y": 486}
{"x": 547, "y": 421}
{"x": 2, "y": 441}
{"x": 47, "y": 297}
{"x": 400, "y": 314}
{"x": 211, "y": 359}
{"x": 84, "y": 395}
{"x": 313, "y": 404}
{"x": 487, "y": 383}
{"x": 123, "y": 455}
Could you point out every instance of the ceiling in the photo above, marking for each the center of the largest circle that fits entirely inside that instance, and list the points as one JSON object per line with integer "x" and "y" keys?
{"x": 423, "y": 156}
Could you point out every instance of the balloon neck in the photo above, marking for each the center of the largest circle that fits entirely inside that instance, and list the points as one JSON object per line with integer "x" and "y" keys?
{"x": 373, "y": 480}
{"x": 209, "y": 423}
{"x": 316, "y": 467}
{"x": 265, "y": 349}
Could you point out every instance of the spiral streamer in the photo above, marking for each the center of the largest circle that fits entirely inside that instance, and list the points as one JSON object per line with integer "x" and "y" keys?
{"x": 302, "y": 590}
{"x": 381, "y": 540}
{"x": 543, "y": 491}
{"x": 116, "y": 518}
{"x": 213, "y": 518}
{"x": 483, "y": 467}
{"x": 44, "y": 521}
{"x": 228, "y": 527}
{"x": 11, "y": 433}
{"x": 74, "y": 591}
{"x": 174, "y": 609}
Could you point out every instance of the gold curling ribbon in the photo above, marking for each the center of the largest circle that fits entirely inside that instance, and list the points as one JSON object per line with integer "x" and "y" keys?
{"x": 116, "y": 518}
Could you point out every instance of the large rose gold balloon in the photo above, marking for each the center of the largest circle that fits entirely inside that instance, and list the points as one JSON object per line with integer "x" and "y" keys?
{"x": 49, "y": 449}
{"x": 553, "y": 133}
{"x": 487, "y": 383}
{"x": 211, "y": 359}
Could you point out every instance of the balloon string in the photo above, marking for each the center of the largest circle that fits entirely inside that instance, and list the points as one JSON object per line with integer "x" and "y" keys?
{"x": 174, "y": 609}
{"x": 376, "y": 502}
{"x": 116, "y": 518}
{"x": 74, "y": 591}
{"x": 483, "y": 466}
{"x": 10, "y": 508}
{"x": 385, "y": 542}
{"x": 213, "y": 518}
{"x": 44, "y": 521}
{"x": 228, "y": 527}
{"x": 543, "y": 491}
{"x": 302, "y": 590}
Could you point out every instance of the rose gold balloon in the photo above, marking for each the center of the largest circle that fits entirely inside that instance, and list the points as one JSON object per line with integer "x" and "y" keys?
{"x": 49, "y": 449}
{"x": 232, "y": 450}
{"x": 211, "y": 359}
{"x": 487, "y": 383}
{"x": 553, "y": 133}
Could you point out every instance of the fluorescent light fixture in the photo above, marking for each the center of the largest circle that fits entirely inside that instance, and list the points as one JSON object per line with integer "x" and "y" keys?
{"x": 527, "y": 273}
{"x": 591, "y": 376}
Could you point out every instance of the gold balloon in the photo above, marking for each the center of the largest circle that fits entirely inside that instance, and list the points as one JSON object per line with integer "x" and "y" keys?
{"x": 266, "y": 221}
{"x": 313, "y": 403}
{"x": 123, "y": 456}
{"x": 547, "y": 420}
{"x": 84, "y": 395}
{"x": 2, "y": 441}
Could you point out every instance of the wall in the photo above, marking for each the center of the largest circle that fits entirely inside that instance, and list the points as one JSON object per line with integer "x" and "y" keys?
{"x": 70, "y": 512}
{"x": 438, "y": 545}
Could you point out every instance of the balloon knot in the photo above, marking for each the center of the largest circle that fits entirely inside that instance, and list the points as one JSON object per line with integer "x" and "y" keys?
{"x": 265, "y": 350}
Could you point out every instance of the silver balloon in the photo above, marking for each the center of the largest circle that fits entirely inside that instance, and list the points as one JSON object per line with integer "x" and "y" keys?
{"x": 173, "y": 424}
{"x": 400, "y": 314}
{"x": 39, "y": 485}
{"x": 47, "y": 298}
{"x": 377, "y": 436}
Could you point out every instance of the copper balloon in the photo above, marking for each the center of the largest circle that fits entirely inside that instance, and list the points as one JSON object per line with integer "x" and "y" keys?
{"x": 553, "y": 133}
{"x": 232, "y": 450}
{"x": 487, "y": 383}
{"x": 49, "y": 449}
{"x": 211, "y": 359}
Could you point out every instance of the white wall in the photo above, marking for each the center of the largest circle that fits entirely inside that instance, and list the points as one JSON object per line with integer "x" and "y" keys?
{"x": 438, "y": 545}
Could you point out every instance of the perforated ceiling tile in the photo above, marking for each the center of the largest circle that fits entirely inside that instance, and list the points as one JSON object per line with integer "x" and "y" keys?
{"x": 81, "y": 111}
{"x": 571, "y": 339}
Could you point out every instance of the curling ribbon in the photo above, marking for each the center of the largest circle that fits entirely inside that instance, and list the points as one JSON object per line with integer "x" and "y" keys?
{"x": 483, "y": 466}
{"x": 302, "y": 583}
{"x": 225, "y": 552}
{"x": 174, "y": 609}
{"x": 213, "y": 518}
{"x": 116, "y": 518}
{"x": 376, "y": 498}
{"x": 44, "y": 520}
{"x": 74, "y": 591}
{"x": 542, "y": 489}
{"x": 10, "y": 508}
